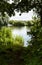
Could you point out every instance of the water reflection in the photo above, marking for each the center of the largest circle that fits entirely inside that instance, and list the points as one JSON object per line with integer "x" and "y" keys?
{"x": 22, "y": 31}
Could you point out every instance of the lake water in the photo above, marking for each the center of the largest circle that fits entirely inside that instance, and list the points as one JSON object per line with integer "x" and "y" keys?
{"x": 22, "y": 31}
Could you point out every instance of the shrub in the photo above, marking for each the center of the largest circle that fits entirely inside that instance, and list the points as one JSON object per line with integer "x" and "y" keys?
{"x": 19, "y": 41}
{"x": 6, "y": 37}
{"x": 7, "y": 40}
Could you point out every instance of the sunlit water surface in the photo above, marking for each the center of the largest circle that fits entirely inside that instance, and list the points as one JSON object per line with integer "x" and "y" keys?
{"x": 22, "y": 31}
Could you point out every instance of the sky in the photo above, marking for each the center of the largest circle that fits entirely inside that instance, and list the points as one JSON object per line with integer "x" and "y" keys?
{"x": 24, "y": 16}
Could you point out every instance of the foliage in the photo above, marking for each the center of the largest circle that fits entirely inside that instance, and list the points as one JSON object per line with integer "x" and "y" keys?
{"x": 19, "y": 41}
{"x": 19, "y": 55}
{"x": 36, "y": 42}
{"x": 29, "y": 23}
{"x": 34, "y": 22}
{"x": 22, "y": 6}
{"x": 23, "y": 23}
{"x": 17, "y": 23}
{"x": 36, "y": 39}
{"x": 12, "y": 50}
{"x": 4, "y": 20}
{"x": 7, "y": 40}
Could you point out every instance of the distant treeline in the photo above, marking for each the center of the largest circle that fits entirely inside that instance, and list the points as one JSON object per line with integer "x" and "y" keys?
{"x": 5, "y": 22}
{"x": 23, "y": 23}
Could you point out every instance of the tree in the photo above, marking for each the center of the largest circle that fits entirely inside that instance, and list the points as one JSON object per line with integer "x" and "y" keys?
{"x": 19, "y": 55}
{"x": 36, "y": 43}
{"x": 4, "y": 20}
{"x": 22, "y": 6}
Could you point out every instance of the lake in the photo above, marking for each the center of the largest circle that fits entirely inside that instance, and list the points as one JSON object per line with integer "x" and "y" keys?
{"x": 22, "y": 31}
